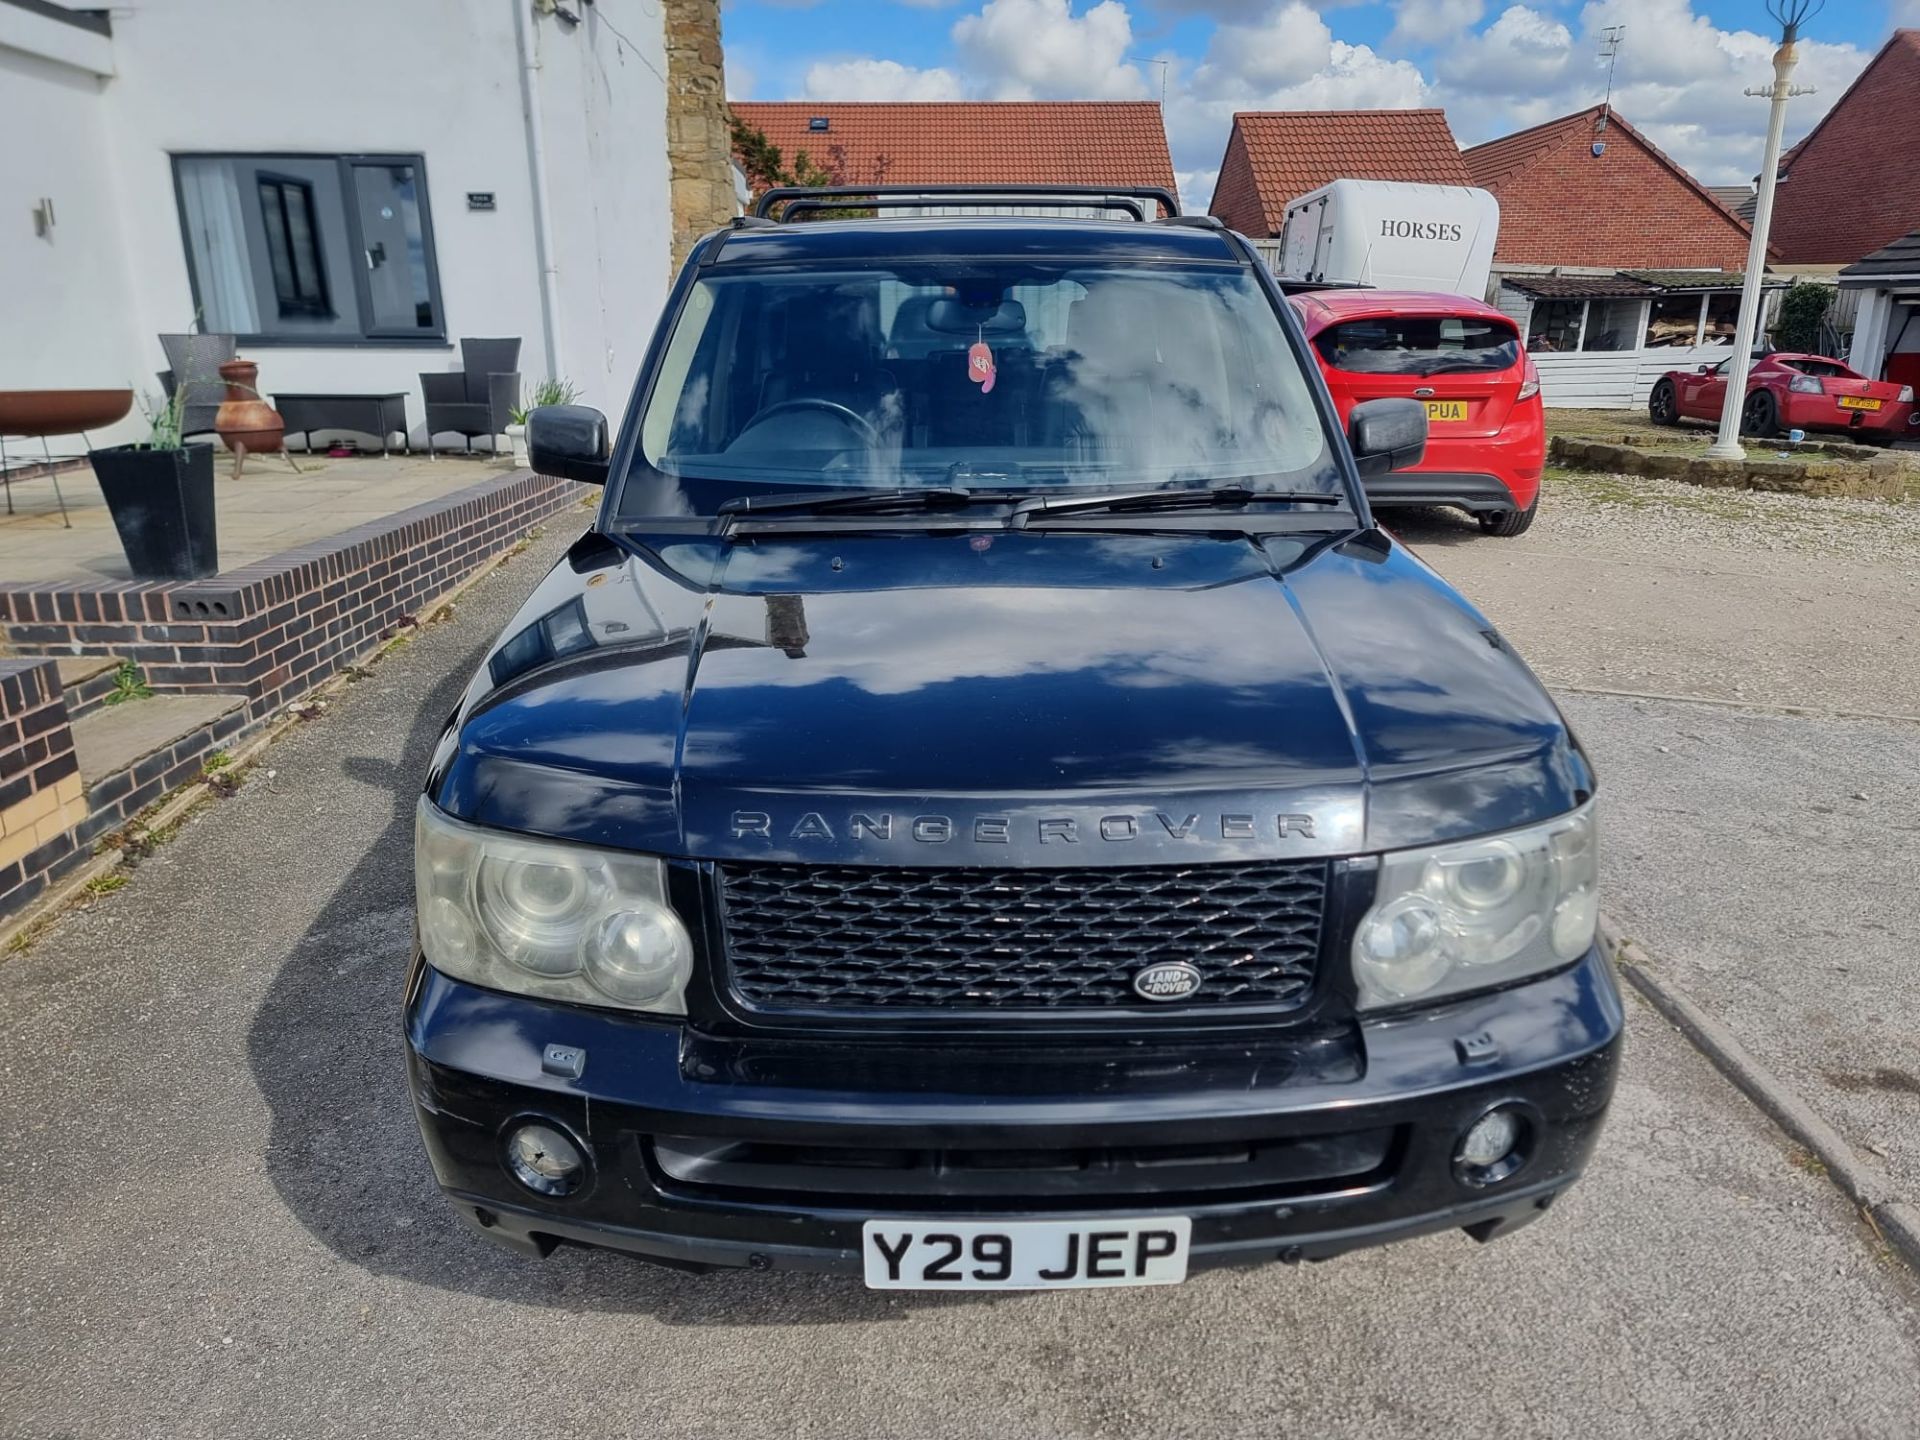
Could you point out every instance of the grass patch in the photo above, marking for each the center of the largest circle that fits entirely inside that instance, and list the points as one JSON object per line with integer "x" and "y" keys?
{"x": 1806, "y": 1160}
{"x": 107, "y": 884}
{"x": 128, "y": 684}
{"x": 218, "y": 760}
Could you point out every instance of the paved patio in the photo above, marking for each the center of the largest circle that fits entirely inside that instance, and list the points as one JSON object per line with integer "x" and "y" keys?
{"x": 267, "y": 510}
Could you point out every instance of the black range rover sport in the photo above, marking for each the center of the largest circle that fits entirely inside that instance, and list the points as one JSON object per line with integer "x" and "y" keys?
{"x": 985, "y": 806}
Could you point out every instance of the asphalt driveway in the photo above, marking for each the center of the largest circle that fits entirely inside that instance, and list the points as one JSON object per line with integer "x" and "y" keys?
{"x": 215, "y": 1218}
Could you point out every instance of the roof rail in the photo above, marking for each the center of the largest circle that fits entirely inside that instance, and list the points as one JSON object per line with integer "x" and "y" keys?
{"x": 796, "y": 200}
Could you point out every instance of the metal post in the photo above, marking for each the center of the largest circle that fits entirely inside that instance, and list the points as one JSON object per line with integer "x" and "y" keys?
{"x": 1727, "y": 446}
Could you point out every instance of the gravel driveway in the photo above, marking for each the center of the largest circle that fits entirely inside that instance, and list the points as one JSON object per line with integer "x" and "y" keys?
{"x": 216, "y": 1219}
{"x": 1770, "y": 862}
{"x": 1661, "y": 587}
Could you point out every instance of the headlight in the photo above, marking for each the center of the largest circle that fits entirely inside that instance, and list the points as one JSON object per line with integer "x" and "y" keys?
{"x": 565, "y": 922}
{"x": 1485, "y": 912}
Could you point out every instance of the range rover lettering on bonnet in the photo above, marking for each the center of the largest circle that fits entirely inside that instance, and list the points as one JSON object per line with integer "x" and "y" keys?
{"x": 1005, "y": 829}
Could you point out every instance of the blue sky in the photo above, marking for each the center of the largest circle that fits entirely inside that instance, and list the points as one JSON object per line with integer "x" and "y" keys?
{"x": 1494, "y": 66}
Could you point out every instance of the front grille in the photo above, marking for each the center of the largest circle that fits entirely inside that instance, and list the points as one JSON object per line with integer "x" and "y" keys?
{"x": 1087, "y": 1175}
{"x": 853, "y": 937}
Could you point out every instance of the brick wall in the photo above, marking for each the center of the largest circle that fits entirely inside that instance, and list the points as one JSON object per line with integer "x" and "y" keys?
{"x": 272, "y": 631}
{"x": 1628, "y": 209}
{"x": 1851, "y": 188}
{"x": 41, "y": 804}
{"x": 1236, "y": 199}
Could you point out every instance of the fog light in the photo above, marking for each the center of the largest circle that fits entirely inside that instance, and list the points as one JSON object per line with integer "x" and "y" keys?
{"x": 1494, "y": 1147}
{"x": 1491, "y": 1139}
{"x": 545, "y": 1159}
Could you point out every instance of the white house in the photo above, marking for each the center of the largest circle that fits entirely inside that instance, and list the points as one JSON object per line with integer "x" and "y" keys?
{"x": 350, "y": 187}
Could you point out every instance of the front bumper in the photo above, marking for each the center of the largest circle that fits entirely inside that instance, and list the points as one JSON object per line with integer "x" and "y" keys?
{"x": 1395, "y": 1098}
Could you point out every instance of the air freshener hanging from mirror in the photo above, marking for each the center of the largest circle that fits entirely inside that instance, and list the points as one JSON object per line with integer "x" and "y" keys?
{"x": 980, "y": 363}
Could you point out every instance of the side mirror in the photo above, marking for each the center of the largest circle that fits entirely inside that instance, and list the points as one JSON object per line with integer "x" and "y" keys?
{"x": 1387, "y": 435}
{"x": 568, "y": 442}
{"x": 1706, "y": 369}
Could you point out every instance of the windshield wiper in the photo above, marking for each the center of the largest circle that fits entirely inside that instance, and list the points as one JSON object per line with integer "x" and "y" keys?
{"x": 828, "y": 502}
{"x": 1142, "y": 501}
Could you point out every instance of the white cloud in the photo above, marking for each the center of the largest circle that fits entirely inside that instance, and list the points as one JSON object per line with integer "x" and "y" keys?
{"x": 1427, "y": 22}
{"x": 740, "y": 78}
{"x": 1039, "y": 49}
{"x": 868, "y": 79}
{"x": 1679, "y": 79}
{"x": 1289, "y": 45}
{"x": 1521, "y": 53}
{"x": 1195, "y": 188}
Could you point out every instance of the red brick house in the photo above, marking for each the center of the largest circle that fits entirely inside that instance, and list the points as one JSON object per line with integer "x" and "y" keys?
{"x": 1628, "y": 207}
{"x": 1016, "y": 142}
{"x": 1606, "y": 244}
{"x": 1850, "y": 187}
{"x": 1276, "y": 156}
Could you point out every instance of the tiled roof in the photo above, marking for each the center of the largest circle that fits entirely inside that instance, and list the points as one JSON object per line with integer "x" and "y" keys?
{"x": 1560, "y": 204}
{"x": 1899, "y": 259}
{"x": 1577, "y": 287}
{"x": 1277, "y": 156}
{"x": 1699, "y": 279}
{"x": 1017, "y": 142}
{"x": 1848, "y": 189}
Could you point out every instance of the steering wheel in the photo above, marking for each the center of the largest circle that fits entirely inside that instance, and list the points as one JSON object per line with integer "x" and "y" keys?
{"x": 852, "y": 418}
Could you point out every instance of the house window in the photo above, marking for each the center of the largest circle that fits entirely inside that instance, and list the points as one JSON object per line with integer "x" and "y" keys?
{"x": 1674, "y": 320}
{"x": 1614, "y": 324}
{"x": 332, "y": 249}
{"x": 1723, "y": 318}
{"x": 293, "y": 246}
{"x": 1556, "y": 325}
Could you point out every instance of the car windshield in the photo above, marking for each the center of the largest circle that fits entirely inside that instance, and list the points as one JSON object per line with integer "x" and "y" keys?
{"x": 1420, "y": 345}
{"x": 998, "y": 375}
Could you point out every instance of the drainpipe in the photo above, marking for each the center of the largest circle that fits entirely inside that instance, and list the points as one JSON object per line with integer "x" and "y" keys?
{"x": 529, "y": 44}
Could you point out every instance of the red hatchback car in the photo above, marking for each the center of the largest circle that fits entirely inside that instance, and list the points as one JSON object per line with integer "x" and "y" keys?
{"x": 1789, "y": 391}
{"x": 1487, "y": 436}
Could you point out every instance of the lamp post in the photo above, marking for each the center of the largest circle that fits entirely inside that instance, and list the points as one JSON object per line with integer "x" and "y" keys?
{"x": 1790, "y": 14}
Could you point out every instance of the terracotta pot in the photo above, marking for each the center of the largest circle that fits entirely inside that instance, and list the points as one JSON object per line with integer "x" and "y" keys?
{"x": 244, "y": 421}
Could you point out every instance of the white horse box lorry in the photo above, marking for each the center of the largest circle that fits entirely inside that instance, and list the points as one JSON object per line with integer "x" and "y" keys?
{"x": 1393, "y": 236}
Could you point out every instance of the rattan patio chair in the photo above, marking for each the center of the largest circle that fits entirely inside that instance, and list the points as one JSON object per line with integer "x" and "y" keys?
{"x": 478, "y": 398}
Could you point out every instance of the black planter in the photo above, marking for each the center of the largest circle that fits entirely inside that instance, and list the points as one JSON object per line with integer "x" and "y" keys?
{"x": 162, "y": 505}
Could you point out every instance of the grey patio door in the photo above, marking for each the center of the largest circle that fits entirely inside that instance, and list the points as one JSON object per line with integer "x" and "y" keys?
{"x": 393, "y": 240}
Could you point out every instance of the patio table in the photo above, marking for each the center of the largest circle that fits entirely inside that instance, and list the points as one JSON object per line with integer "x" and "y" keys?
{"x": 378, "y": 415}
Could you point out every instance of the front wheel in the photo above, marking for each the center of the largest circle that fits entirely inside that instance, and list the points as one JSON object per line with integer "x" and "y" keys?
{"x": 1663, "y": 405}
{"x": 1508, "y": 522}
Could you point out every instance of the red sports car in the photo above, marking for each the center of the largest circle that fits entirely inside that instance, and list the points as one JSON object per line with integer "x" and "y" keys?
{"x": 1786, "y": 391}
{"x": 1486, "y": 436}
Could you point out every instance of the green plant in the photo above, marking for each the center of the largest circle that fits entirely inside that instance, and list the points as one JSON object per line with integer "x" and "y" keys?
{"x": 1802, "y": 308}
{"x": 548, "y": 392}
{"x": 107, "y": 884}
{"x": 218, "y": 760}
{"x": 163, "y": 420}
{"x": 128, "y": 684}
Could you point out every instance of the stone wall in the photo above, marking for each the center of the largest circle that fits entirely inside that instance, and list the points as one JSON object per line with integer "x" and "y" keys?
{"x": 1846, "y": 470}
{"x": 699, "y": 146}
